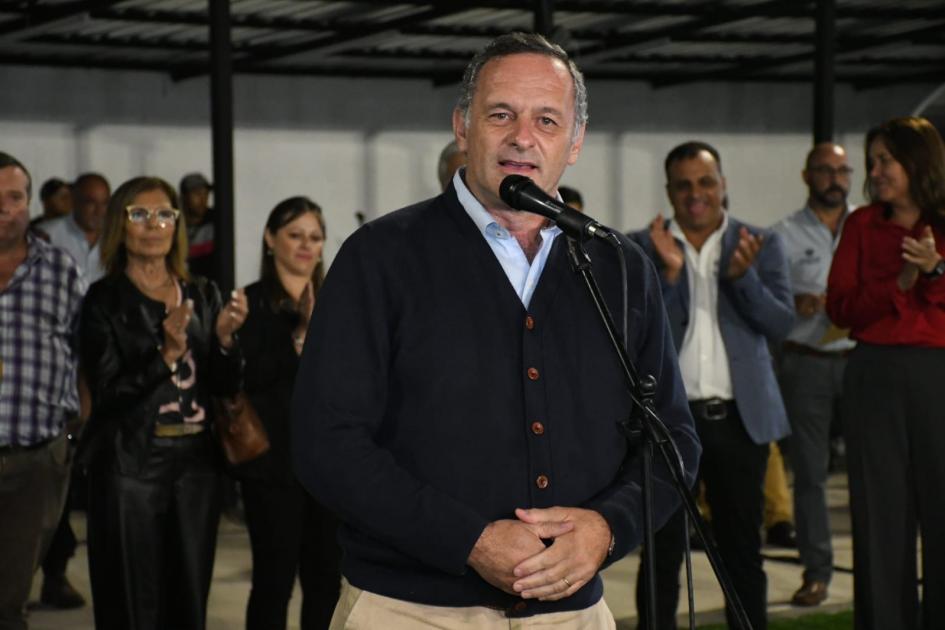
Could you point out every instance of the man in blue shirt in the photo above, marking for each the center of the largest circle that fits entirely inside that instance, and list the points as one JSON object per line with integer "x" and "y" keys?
{"x": 814, "y": 358}
{"x": 78, "y": 233}
{"x": 458, "y": 403}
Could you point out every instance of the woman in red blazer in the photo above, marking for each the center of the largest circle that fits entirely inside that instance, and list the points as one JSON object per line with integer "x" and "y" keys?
{"x": 886, "y": 285}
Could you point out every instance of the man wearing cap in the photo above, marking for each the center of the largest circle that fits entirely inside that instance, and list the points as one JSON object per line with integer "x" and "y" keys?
{"x": 195, "y": 203}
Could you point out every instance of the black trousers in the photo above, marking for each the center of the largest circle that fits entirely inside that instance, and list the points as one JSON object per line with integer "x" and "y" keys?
{"x": 62, "y": 546}
{"x": 733, "y": 469}
{"x": 152, "y": 538}
{"x": 104, "y": 552}
{"x": 894, "y": 427}
{"x": 290, "y": 533}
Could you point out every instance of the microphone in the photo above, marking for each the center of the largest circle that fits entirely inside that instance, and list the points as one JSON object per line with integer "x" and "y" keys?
{"x": 521, "y": 193}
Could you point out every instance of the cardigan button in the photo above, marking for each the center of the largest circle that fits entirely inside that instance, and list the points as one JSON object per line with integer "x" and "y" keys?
{"x": 541, "y": 482}
{"x": 529, "y": 322}
{"x": 533, "y": 373}
{"x": 538, "y": 428}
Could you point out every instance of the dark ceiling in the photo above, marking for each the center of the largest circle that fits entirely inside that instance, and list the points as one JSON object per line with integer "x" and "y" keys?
{"x": 663, "y": 42}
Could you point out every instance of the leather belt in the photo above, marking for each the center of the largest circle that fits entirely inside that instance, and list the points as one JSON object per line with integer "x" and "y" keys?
{"x": 809, "y": 351}
{"x": 712, "y": 408}
{"x": 177, "y": 430}
{"x": 9, "y": 449}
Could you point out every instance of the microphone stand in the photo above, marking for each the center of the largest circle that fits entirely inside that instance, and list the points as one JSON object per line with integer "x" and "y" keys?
{"x": 645, "y": 428}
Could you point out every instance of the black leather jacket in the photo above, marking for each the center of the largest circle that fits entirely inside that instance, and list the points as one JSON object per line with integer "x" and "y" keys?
{"x": 121, "y": 332}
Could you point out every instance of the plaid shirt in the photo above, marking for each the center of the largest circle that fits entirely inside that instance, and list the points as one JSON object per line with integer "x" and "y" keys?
{"x": 39, "y": 316}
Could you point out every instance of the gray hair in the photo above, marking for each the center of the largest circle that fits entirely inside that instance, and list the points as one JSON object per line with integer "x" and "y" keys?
{"x": 520, "y": 43}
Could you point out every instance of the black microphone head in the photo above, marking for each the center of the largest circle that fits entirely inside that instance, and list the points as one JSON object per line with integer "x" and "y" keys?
{"x": 511, "y": 187}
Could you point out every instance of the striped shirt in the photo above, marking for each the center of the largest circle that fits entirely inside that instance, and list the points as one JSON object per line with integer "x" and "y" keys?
{"x": 39, "y": 317}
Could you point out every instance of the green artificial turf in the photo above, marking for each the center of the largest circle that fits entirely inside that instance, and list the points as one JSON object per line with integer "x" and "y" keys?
{"x": 820, "y": 621}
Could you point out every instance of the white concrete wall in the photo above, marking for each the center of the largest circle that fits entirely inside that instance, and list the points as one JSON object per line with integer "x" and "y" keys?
{"x": 371, "y": 146}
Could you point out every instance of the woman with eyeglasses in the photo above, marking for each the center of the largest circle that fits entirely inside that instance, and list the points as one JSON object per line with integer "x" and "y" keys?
{"x": 289, "y": 532}
{"x": 887, "y": 285}
{"x": 155, "y": 345}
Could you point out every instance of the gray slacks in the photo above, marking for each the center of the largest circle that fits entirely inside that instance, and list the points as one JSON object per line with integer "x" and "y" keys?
{"x": 811, "y": 387}
{"x": 33, "y": 487}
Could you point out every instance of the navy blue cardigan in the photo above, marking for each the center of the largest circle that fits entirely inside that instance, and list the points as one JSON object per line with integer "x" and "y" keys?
{"x": 421, "y": 381}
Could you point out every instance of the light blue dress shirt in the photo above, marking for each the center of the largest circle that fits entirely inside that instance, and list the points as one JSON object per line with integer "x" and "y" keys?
{"x": 809, "y": 245}
{"x": 523, "y": 275}
{"x": 66, "y": 234}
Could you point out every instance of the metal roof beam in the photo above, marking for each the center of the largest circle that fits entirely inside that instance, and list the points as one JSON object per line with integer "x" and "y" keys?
{"x": 448, "y": 75}
{"x": 457, "y": 30}
{"x": 127, "y": 41}
{"x": 37, "y": 18}
{"x": 250, "y": 20}
{"x": 332, "y": 43}
{"x": 797, "y": 9}
{"x": 770, "y": 64}
{"x": 342, "y": 40}
{"x": 611, "y": 46}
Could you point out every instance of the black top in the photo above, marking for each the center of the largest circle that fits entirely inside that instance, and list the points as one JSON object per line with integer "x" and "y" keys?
{"x": 121, "y": 335}
{"x": 429, "y": 402}
{"x": 268, "y": 376}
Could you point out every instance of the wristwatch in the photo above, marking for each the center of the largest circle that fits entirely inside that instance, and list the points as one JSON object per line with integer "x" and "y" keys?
{"x": 937, "y": 271}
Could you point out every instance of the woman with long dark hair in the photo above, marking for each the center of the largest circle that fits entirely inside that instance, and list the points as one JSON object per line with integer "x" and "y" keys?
{"x": 886, "y": 284}
{"x": 289, "y": 532}
{"x": 156, "y": 344}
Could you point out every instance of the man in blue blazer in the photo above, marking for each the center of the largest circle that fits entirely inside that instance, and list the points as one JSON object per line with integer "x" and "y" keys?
{"x": 727, "y": 293}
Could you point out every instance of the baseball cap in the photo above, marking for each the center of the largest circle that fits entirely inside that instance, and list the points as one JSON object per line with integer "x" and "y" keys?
{"x": 193, "y": 181}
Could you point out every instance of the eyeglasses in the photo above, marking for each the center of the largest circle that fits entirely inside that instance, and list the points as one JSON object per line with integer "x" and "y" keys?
{"x": 843, "y": 171}
{"x": 143, "y": 214}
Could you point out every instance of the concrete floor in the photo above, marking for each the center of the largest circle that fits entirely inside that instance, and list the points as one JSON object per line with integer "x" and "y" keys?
{"x": 233, "y": 568}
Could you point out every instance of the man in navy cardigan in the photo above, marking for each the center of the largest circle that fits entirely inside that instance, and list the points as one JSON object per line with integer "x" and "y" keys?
{"x": 458, "y": 403}
{"x": 728, "y": 296}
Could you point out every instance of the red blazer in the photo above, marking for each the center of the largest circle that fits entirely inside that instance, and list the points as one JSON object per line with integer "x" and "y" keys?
{"x": 862, "y": 293}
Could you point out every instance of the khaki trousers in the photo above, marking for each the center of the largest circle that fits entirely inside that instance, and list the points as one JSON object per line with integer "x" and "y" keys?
{"x": 363, "y": 610}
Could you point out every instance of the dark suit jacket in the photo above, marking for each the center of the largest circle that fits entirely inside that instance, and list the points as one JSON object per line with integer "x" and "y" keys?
{"x": 754, "y": 311}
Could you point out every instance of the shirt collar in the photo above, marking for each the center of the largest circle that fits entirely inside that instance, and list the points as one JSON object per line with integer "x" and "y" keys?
{"x": 35, "y": 248}
{"x": 480, "y": 216}
{"x": 74, "y": 226}
{"x": 808, "y": 213}
{"x": 677, "y": 232}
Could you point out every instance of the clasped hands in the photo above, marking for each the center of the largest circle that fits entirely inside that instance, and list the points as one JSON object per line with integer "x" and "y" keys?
{"x": 511, "y": 554}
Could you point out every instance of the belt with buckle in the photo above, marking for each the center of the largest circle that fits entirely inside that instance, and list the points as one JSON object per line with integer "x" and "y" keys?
{"x": 711, "y": 408}
{"x": 177, "y": 430}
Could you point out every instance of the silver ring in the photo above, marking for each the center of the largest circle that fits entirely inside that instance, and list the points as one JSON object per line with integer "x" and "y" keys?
{"x": 566, "y": 581}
